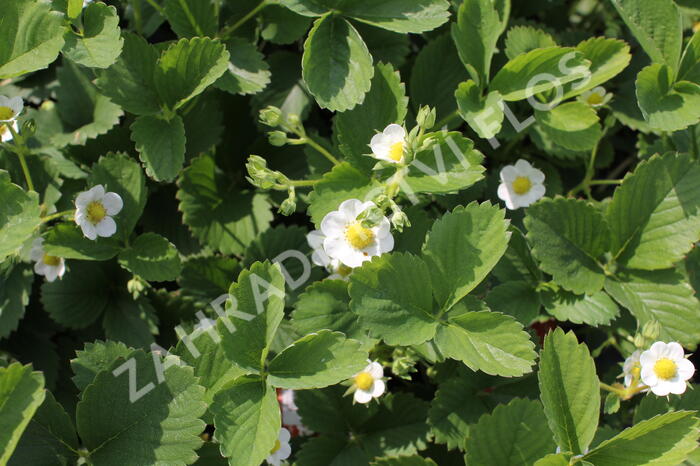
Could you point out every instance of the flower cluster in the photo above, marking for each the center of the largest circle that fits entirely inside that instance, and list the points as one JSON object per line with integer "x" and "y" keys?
{"x": 663, "y": 369}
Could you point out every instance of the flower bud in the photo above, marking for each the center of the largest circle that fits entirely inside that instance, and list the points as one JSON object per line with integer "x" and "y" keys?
{"x": 371, "y": 217}
{"x": 277, "y": 138}
{"x": 651, "y": 330}
{"x": 259, "y": 175}
{"x": 271, "y": 116}
{"x": 426, "y": 117}
{"x": 288, "y": 206}
{"x": 400, "y": 220}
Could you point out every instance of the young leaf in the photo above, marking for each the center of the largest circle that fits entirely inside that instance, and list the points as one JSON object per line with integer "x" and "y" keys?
{"x": 513, "y": 434}
{"x": 30, "y": 38}
{"x": 247, "y": 420}
{"x": 570, "y": 391}
{"x": 568, "y": 237}
{"x": 15, "y": 288}
{"x": 19, "y": 216}
{"x": 161, "y": 145}
{"x": 337, "y": 67}
{"x": 667, "y": 105}
{"x": 483, "y": 114}
{"x": 247, "y": 71}
{"x": 66, "y": 240}
{"x": 100, "y": 43}
{"x": 573, "y": 125}
{"x": 190, "y": 18}
{"x": 152, "y": 257}
{"x": 21, "y": 394}
{"x": 654, "y": 216}
{"x": 524, "y": 39}
{"x": 316, "y": 361}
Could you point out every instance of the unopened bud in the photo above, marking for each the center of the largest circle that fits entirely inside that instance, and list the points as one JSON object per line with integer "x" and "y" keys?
{"x": 259, "y": 174}
{"x": 288, "y": 206}
{"x": 271, "y": 116}
{"x": 426, "y": 117}
{"x": 651, "y": 330}
{"x": 277, "y": 138}
{"x": 400, "y": 220}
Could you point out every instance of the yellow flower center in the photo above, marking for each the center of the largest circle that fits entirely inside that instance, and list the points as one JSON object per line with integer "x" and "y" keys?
{"x": 53, "y": 261}
{"x": 595, "y": 99}
{"x": 277, "y": 446}
{"x": 522, "y": 185}
{"x": 396, "y": 151}
{"x": 364, "y": 380}
{"x": 358, "y": 236}
{"x": 6, "y": 113}
{"x": 665, "y": 369}
{"x": 96, "y": 212}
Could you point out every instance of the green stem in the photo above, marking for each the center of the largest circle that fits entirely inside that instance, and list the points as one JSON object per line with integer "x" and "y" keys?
{"x": 226, "y": 32}
{"x": 321, "y": 149}
{"x": 48, "y": 218}
{"x": 604, "y": 182}
{"x": 618, "y": 391}
{"x": 157, "y": 7}
{"x": 585, "y": 185}
{"x": 25, "y": 169}
{"x": 447, "y": 119}
{"x": 21, "y": 150}
{"x": 296, "y": 184}
{"x": 136, "y": 5}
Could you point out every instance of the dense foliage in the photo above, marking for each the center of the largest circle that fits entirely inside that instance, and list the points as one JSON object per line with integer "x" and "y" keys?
{"x": 349, "y": 232}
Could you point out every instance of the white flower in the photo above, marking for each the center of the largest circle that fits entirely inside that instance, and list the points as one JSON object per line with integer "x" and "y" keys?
{"x": 368, "y": 384}
{"x": 390, "y": 144}
{"x": 632, "y": 368}
{"x": 87, "y": 2}
{"x": 338, "y": 270}
{"x": 10, "y": 108}
{"x": 282, "y": 449}
{"x": 347, "y": 240}
{"x": 51, "y": 267}
{"x": 521, "y": 184}
{"x": 94, "y": 211}
{"x": 665, "y": 368}
{"x": 596, "y": 97}
{"x": 290, "y": 415}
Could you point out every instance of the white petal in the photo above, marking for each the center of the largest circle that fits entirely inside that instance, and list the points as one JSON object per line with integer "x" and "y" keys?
{"x": 536, "y": 176}
{"x": 352, "y": 257}
{"x": 320, "y": 258}
{"x": 106, "y": 228}
{"x": 647, "y": 358}
{"x": 334, "y": 223}
{"x": 284, "y": 436}
{"x": 83, "y": 199}
{"x": 375, "y": 370}
{"x": 37, "y": 249}
{"x": 362, "y": 396}
{"x": 658, "y": 349}
{"x": 395, "y": 132}
{"x": 379, "y": 145}
{"x": 661, "y": 389}
{"x": 7, "y": 135}
{"x": 112, "y": 203}
{"x": 505, "y": 195}
{"x": 315, "y": 239}
{"x": 40, "y": 268}
{"x": 285, "y": 451}
{"x": 273, "y": 460}
{"x": 51, "y": 273}
{"x": 509, "y": 173}
{"x": 335, "y": 246}
{"x": 674, "y": 351}
{"x": 383, "y": 229}
{"x": 523, "y": 167}
{"x": 16, "y": 104}
{"x": 648, "y": 376}
{"x": 4, "y": 101}
{"x": 385, "y": 244}
{"x": 686, "y": 369}
{"x": 61, "y": 268}
{"x": 350, "y": 208}
{"x": 88, "y": 230}
{"x": 378, "y": 388}
{"x": 536, "y": 193}
{"x": 677, "y": 388}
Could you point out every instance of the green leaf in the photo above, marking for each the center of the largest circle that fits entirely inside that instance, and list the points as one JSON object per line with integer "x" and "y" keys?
{"x": 74, "y": 8}
{"x": 664, "y": 439}
{"x": 152, "y": 257}
{"x": 95, "y": 358}
{"x": 15, "y": 288}
{"x": 247, "y": 420}
{"x": 449, "y": 165}
{"x": 568, "y": 237}
{"x": 341, "y": 183}
{"x": 219, "y": 214}
{"x": 487, "y": 341}
{"x": 596, "y": 309}
{"x": 66, "y": 240}
{"x": 665, "y": 104}
{"x": 21, "y": 394}
{"x": 516, "y": 298}
{"x": 461, "y": 249}
{"x": 513, "y": 434}
{"x": 188, "y": 67}
{"x": 414, "y": 460}
{"x": 385, "y": 103}
{"x": 573, "y": 125}
{"x": 331, "y": 449}
{"x": 282, "y": 26}
{"x": 336, "y": 66}
{"x": 161, "y": 145}
{"x": 120, "y": 174}
{"x": 570, "y": 391}
{"x": 207, "y": 278}
{"x": 654, "y": 216}
{"x": 100, "y": 43}
{"x": 483, "y": 114}
{"x": 31, "y": 37}
{"x": 475, "y": 34}
{"x": 391, "y": 295}
{"x": 247, "y": 71}
{"x": 657, "y": 25}
{"x": 608, "y": 57}
{"x": 316, "y": 361}
{"x": 664, "y": 296}
{"x": 129, "y": 82}
{"x": 524, "y": 39}
{"x": 48, "y": 437}
{"x": 523, "y": 76}
{"x": 189, "y": 18}
{"x": 259, "y": 303}
{"x": 19, "y": 216}
{"x": 690, "y": 63}
{"x": 164, "y": 422}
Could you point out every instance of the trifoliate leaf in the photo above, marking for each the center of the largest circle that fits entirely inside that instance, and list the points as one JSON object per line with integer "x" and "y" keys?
{"x": 31, "y": 37}
{"x": 190, "y": 18}
{"x": 570, "y": 391}
{"x": 188, "y": 67}
{"x": 524, "y": 39}
{"x": 219, "y": 214}
{"x": 247, "y": 71}
{"x": 255, "y": 313}
{"x": 316, "y": 361}
{"x": 19, "y": 216}
{"x": 15, "y": 288}
{"x": 129, "y": 82}
{"x": 462, "y": 248}
{"x": 152, "y": 257}
{"x": 664, "y": 296}
{"x": 385, "y": 103}
{"x": 655, "y": 214}
{"x": 483, "y": 114}
{"x": 667, "y": 105}
{"x": 568, "y": 237}
{"x": 95, "y": 358}
{"x": 664, "y": 439}
{"x": 337, "y": 67}
{"x": 100, "y": 43}
{"x": 574, "y": 126}
{"x": 162, "y": 425}
{"x": 596, "y": 309}
{"x": 21, "y": 394}
{"x": 247, "y": 419}
{"x": 161, "y": 145}
{"x": 522, "y": 76}
{"x": 66, "y": 240}
{"x": 515, "y": 298}
{"x": 513, "y": 434}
